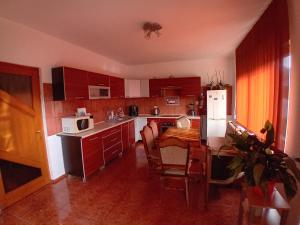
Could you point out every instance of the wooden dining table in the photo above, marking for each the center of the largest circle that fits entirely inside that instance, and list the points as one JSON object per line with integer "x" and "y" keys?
{"x": 190, "y": 135}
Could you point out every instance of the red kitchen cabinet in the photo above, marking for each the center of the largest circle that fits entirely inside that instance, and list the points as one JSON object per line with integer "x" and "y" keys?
{"x": 125, "y": 137}
{"x": 97, "y": 79}
{"x": 187, "y": 86}
{"x": 117, "y": 87}
{"x": 69, "y": 83}
{"x": 92, "y": 153}
{"x": 131, "y": 130}
{"x": 190, "y": 86}
{"x": 155, "y": 86}
{"x": 112, "y": 143}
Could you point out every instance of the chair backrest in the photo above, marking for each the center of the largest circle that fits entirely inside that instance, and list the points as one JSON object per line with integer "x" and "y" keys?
{"x": 154, "y": 128}
{"x": 174, "y": 153}
{"x": 183, "y": 122}
{"x": 148, "y": 139}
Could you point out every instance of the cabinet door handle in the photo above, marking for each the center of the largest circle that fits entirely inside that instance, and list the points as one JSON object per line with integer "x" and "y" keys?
{"x": 92, "y": 139}
{"x": 100, "y": 84}
{"x": 114, "y": 139}
{"x": 79, "y": 97}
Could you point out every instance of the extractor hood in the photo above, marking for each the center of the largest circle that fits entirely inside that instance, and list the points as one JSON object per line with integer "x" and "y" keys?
{"x": 170, "y": 91}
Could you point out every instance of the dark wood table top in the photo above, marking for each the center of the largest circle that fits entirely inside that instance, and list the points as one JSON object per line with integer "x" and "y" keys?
{"x": 191, "y": 135}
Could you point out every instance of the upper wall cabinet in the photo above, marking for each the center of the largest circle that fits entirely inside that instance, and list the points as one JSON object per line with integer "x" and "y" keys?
{"x": 69, "y": 83}
{"x": 188, "y": 86}
{"x": 117, "y": 89}
{"x": 136, "y": 88}
{"x": 97, "y": 79}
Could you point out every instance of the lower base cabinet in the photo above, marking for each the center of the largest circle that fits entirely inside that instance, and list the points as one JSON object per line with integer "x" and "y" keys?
{"x": 85, "y": 156}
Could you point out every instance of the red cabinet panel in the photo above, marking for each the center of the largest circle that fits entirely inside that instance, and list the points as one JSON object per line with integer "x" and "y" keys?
{"x": 125, "y": 137}
{"x": 69, "y": 83}
{"x": 98, "y": 79}
{"x": 155, "y": 86}
{"x": 188, "y": 86}
{"x": 113, "y": 152}
{"x": 92, "y": 153}
{"x": 112, "y": 143}
{"x": 131, "y": 130}
{"x": 111, "y": 139}
{"x": 117, "y": 88}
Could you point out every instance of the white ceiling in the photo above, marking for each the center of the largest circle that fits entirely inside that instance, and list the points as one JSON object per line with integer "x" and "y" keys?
{"x": 192, "y": 29}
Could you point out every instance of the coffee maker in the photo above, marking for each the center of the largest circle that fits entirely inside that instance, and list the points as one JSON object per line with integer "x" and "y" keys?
{"x": 133, "y": 110}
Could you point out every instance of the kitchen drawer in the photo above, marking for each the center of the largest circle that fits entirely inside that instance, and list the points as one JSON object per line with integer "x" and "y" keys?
{"x": 90, "y": 143}
{"x": 111, "y": 139}
{"x": 113, "y": 152}
{"x": 111, "y": 131}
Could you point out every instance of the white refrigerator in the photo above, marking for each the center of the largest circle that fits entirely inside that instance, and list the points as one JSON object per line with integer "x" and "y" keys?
{"x": 216, "y": 113}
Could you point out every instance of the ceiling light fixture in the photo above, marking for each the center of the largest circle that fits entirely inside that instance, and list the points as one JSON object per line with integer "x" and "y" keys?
{"x": 151, "y": 27}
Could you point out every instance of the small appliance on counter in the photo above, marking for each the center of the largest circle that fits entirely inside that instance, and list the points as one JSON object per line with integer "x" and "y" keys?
{"x": 133, "y": 110}
{"x": 155, "y": 111}
{"x": 82, "y": 121}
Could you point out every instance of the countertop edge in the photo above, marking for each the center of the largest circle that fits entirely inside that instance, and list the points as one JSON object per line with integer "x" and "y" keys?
{"x": 95, "y": 130}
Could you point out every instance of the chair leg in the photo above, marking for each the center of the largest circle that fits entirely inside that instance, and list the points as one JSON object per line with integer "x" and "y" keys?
{"x": 187, "y": 191}
{"x": 206, "y": 193}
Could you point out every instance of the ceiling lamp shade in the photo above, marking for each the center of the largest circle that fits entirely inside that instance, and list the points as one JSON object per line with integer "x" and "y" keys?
{"x": 151, "y": 27}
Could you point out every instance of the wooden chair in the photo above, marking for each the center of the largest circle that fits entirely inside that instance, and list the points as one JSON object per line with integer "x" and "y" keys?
{"x": 174, "y": 155}
{"x": 198, "y": 168}
{"x": 183, "y": 122}
{"x": 151, "y": 151}
{"x": 153, "y": 126}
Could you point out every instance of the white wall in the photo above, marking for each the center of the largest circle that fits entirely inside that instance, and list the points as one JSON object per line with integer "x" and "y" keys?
{"x": 292, "y": 138}
{"x": 25, "y": 46}
{"x": 22, "y": 45}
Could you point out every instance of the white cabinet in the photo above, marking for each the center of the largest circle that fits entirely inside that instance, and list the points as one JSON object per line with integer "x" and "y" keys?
{"x": 145, "y": 88}
{"x": 136, "y": 88}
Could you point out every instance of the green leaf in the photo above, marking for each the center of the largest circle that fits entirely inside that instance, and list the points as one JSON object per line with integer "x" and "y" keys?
{"x": 290, "y": 163}
{"x": 257, "y": 173}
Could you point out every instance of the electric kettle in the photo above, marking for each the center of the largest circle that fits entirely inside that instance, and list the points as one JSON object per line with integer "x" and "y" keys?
{"x": 155, "y": 110}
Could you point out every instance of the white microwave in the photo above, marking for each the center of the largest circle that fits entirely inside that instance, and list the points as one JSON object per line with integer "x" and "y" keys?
{"x": 74, "y": 124}
{"x": 98, "y": 92}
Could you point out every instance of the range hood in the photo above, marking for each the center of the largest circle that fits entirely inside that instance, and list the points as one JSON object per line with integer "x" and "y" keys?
{"x": 170, "y": 91}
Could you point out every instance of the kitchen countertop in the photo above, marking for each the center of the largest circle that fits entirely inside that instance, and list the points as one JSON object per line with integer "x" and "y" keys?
{"x": 98, "y": 127}
{"x": 168, "y": 116}
{"x": 102, "y": 126}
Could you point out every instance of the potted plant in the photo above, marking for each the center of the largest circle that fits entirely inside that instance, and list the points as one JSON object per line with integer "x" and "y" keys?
{"x": 261, "y": 164}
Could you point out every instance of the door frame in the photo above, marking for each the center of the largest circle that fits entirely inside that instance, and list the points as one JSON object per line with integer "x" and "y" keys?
{"x": 9, "y": 198}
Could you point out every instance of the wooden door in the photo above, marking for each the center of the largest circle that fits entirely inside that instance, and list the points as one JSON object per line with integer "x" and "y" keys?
{"x": 23, "y": 160}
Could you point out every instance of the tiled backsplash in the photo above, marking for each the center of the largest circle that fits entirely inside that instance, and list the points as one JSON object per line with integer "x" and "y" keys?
{"x": 55, "y": 110}
{"x": 146, "y": 104}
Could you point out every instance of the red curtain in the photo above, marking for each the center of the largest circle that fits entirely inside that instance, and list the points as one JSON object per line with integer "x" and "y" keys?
{"x": 261, "y": 77}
